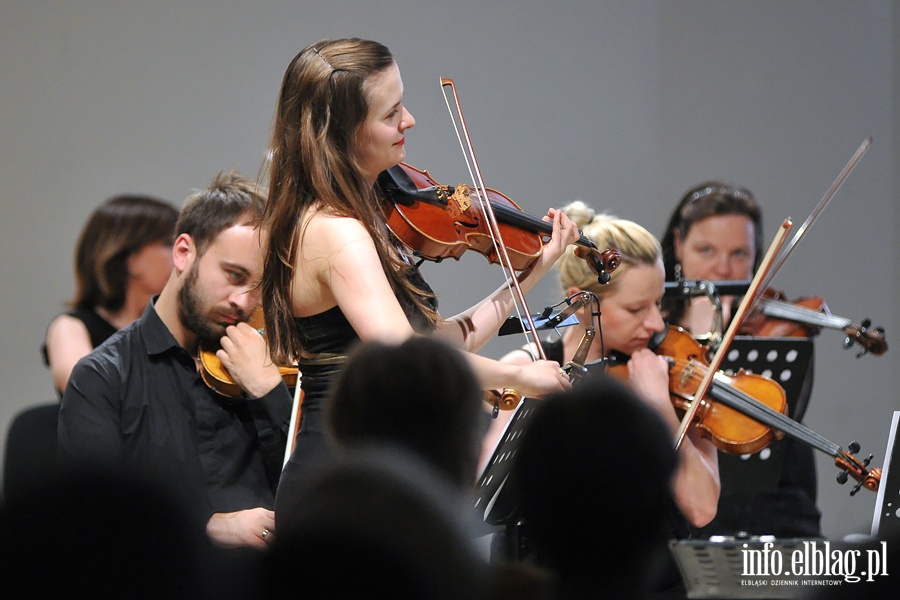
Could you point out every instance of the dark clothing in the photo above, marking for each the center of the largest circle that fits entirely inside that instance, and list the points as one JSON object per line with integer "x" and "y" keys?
{"x": 327, "y": 338}
{"x": 138, "y": 403}
{"x": 662, "y": 570}
{"x": 786, "y": 510}
{"x": 98, "y": 328}
{"x": 772, "y": 497}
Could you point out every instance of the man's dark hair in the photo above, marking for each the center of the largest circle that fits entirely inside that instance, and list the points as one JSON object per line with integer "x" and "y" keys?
{"x": 231, "y": 199}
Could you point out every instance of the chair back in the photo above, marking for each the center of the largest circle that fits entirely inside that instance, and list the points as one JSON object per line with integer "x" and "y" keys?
{"x": 30, "y": 454}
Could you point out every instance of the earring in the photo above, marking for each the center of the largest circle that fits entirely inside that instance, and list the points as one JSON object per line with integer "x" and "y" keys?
{"x": 677, "y": 271}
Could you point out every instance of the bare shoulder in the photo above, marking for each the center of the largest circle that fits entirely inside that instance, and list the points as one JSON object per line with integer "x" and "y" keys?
{"x": 326, "y": 233}
{"x": 65, "y": 327}
{"x": 333, "y": 249}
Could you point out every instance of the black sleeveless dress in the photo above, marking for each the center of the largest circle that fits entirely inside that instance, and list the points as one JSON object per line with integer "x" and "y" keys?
{"x": 327, "y": 338}
{"x": 99, "y": 330}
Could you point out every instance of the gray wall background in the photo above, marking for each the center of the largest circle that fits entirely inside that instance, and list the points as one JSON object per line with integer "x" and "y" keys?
{"x": 623, "y": 104}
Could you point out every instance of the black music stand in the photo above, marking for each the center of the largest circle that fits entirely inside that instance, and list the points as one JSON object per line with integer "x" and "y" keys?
{"x": 494, "y": 504}
{"x": 886, "y": 520}
{"x": 493, "y": 507}
{"x": 713, "y": 569}
{"x": 789, "y": 362}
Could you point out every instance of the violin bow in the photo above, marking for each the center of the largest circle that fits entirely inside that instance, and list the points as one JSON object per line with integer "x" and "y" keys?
{"x": 742, "y": 310}
{"x": 468, "y": 151}
{"x": 764, "y": 275}
{"x": 829, "y": 194}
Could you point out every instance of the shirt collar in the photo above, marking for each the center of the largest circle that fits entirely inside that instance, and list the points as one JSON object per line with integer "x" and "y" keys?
{"x": 157, "y": 337}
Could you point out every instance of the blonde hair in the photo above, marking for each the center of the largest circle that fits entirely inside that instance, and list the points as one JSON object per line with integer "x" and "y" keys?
{"x": 636, "y": 245}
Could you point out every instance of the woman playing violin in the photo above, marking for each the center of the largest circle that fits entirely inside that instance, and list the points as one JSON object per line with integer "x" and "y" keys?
{"x": 715, "y": 234}
{"x": 629, "y": 318}
{"x": 334, "y": 273}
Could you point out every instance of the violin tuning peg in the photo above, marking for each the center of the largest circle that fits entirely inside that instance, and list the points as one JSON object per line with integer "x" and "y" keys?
{"x": 842, "y": 477}
{"x": 856, "y": 488}
{"x": 866, "y": 323}
{"x": 853, "y": 447}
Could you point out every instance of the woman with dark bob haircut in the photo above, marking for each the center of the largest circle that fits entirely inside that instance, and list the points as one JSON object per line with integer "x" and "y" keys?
{"x": 123, "y": 257}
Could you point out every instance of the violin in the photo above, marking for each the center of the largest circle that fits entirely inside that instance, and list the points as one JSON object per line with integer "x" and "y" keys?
{"x": 439, "y": 221}
{"x": 804, "y": 317}
{"x": 745, "y": 412}
{"x": 730, "y": 430}
{"x": 217, "y": 377}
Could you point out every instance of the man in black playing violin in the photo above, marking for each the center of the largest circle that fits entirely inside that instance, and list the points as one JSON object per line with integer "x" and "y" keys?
{"x": 139, "y": 404}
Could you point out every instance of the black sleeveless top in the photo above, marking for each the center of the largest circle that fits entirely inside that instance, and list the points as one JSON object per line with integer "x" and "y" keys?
{"x": 99, "y": 330}
{"x": 327, "y": 338}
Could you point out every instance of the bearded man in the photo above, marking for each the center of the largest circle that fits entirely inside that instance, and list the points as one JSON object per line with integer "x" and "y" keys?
{"x": 138, "y": 405}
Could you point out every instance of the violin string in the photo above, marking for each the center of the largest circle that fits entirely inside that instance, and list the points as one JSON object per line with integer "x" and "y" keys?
{"x": 477, "y": 181}
{"x": 462, "y": 147}
{"x": 764, "y": 413}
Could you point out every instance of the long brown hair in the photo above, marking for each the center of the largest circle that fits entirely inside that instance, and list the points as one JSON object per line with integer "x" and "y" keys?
{"x": 321, "y": 108}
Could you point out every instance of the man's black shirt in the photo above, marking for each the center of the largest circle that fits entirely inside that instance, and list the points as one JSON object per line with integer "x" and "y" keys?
{"x": 138, "y": 403}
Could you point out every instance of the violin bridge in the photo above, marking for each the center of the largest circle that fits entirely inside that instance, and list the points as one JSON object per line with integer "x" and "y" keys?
{"x": 687, "y": 374}
{"x": 462, "y": 197}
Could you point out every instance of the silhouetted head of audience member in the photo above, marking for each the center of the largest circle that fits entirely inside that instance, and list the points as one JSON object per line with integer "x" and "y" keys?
{"x": 592, "y": 477}
{"x": 98, "y": 536}
{"x": 376, "y": 522}
{"x": 420, "y": 395}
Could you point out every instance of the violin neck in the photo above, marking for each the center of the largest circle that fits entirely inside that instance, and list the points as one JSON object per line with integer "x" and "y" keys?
{"x": 778, "y": 309}
{"x": 522, "y": 220}
{"x": 736, "y": 399}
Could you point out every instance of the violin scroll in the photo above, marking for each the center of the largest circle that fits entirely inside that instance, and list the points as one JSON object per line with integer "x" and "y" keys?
{"x": 505, "y": 399}
{"x": 870, "y": 340}
{"x": 601, "y": 263}
{"x": 851, "y": 466}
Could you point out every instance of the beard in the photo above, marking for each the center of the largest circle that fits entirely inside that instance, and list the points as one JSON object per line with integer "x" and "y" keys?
{"x": 194, "y": 311}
